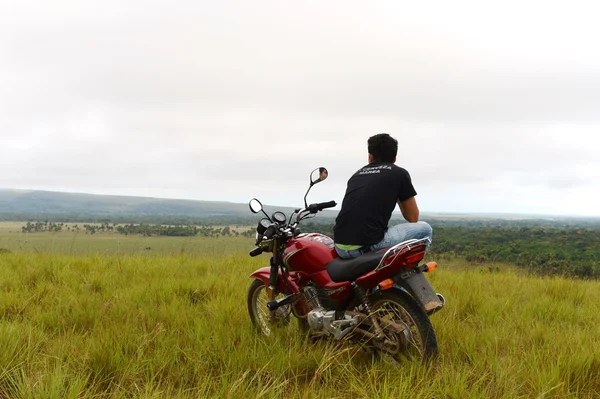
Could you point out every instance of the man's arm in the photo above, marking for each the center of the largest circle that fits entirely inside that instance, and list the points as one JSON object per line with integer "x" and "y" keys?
{"x": 409, "y": 209}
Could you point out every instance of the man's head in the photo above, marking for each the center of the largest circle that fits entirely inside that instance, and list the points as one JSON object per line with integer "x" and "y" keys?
{"x": 323, "y": 173}
{"x": 382, "y": 148}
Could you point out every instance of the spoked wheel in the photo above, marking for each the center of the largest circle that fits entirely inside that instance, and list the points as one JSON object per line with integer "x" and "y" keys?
{"x": 407, "y": 328}
{"x": 264, "y": 320}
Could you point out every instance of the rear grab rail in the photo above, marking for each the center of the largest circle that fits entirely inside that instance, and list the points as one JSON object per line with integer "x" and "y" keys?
{"x": 399, "y": 249}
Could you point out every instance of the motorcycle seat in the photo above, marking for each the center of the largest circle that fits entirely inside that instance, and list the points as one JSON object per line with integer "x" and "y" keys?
{"x": 341, "y": 269}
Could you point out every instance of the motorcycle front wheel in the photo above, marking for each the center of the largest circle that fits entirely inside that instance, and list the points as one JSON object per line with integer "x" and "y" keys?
{"x": 407, "y": 328}
{"x": 263, "y": 319}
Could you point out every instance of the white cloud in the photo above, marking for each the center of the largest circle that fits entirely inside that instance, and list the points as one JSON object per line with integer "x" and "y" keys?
{"x": 495, "y": 106}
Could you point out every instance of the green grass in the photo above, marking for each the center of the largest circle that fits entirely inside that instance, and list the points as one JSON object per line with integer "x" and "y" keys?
{"x": 124, "y": 324}
{"x": 77, "y": 243}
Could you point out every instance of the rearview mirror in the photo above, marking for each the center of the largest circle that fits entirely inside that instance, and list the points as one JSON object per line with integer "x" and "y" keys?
{"x": 255, "y": 205}
{"x": 318, "y": 175}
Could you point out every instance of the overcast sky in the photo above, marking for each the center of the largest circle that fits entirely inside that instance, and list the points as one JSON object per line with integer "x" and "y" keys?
{"x": 496, "y": 107}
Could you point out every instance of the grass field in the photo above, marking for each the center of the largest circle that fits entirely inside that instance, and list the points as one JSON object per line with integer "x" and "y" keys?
{"x": 101, "y": 316}
{"x": 113, "y": 243}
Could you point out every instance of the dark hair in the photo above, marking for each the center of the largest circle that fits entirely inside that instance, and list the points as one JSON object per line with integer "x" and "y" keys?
{"x": 383, "y": 147}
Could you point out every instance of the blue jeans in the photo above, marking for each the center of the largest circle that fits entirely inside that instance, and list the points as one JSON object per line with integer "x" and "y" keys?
{"x": 395, "y": 235}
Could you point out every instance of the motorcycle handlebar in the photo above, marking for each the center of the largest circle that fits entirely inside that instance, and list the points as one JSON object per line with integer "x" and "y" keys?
{"x": 314, "y": 208}
{"x": 259, "y": 250}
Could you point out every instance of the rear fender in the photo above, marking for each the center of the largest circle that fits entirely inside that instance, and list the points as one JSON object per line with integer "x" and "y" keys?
{"x": 421, "y": 290}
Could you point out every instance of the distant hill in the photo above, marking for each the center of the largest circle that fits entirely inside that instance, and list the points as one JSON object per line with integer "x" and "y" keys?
{"x": 16, "y": 204}
{"x": 22, "y": 201}
{"x": 21, "y": 205}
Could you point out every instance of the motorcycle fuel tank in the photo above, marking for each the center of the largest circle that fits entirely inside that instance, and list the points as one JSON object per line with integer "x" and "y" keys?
{"x": 309, "y": 253}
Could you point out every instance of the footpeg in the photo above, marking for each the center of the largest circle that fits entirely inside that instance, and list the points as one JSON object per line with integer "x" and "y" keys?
{"x": 276, "y": 304}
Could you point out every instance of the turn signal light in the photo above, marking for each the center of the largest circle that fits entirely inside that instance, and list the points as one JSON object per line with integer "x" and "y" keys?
{"x": 386, "y": 284}
{"x": 430, "y": 266}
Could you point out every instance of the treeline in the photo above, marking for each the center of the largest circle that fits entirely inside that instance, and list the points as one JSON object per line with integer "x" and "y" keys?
{"x": 184, "y": 220}
{"x": 555, "y": 248}
{"x": 558, "y": 222}
{"x": 39, "y": 227}
{"x": 544, "y": 250}
{"x": 182, "y": 231}
{"x": 574, "y": 252}
{"x": 139, "y": 229}
{"x": 158, "y": 230}
{"x": 135, "y": 219}
{"x": 47, "y": 226}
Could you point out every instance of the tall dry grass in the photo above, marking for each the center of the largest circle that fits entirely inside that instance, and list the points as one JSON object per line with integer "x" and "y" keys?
{"x": 176, "y": 326}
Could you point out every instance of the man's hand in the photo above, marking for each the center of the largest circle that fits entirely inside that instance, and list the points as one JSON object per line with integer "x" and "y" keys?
{"x": 409, "y": 209}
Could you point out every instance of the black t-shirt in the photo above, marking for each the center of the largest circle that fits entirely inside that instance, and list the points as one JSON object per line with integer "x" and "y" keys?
{"x": 371, "y": 196}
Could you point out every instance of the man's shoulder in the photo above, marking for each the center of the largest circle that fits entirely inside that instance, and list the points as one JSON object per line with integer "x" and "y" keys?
{"x": 400, "y": 171}
{"x": 398, "y": 168}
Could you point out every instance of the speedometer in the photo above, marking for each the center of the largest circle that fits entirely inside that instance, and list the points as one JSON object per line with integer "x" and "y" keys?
{"x": 279, "y": 217}
{"x": 263, "y": 225}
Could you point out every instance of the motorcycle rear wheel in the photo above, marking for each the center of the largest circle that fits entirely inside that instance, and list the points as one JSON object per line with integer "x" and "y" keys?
{"x": 264, "y": 320}
{"x": 415, "y": 339}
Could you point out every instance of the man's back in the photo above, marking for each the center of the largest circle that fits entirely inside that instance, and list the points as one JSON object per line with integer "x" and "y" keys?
{"x": 371, "y": 196}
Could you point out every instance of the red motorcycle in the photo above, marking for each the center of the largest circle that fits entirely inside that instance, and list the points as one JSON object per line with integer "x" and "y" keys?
{"x": 380, "y": 300}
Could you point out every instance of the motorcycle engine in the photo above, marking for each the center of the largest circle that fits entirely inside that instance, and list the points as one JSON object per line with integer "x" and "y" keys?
{"x": 311, "y": 296}
{"x": 315, "y": 318}
{"x": 321, "y": 320}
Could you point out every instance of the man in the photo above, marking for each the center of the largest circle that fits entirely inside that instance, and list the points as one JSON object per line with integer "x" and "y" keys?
{"x": 371, "y": 196}
{"x": 323, "y": 173}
